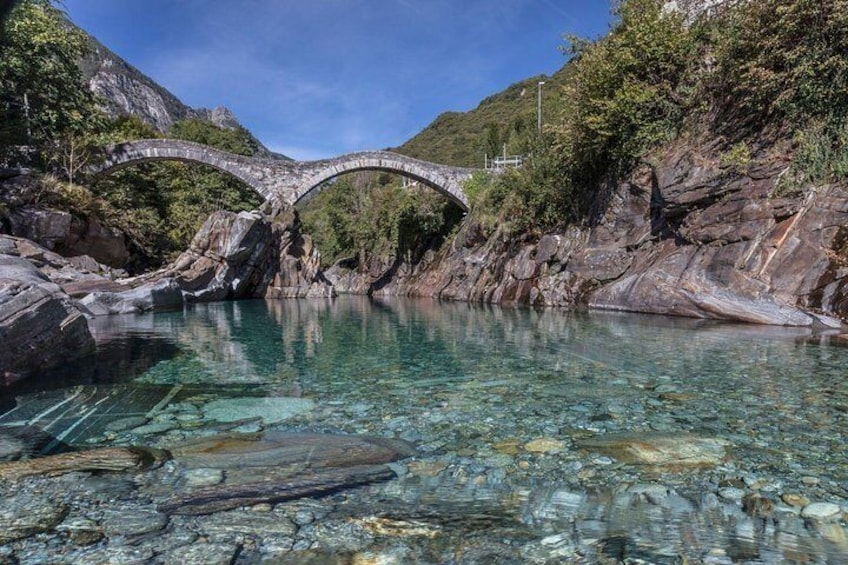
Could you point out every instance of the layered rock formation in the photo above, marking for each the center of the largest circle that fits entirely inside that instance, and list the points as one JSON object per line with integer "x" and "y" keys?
{"x": 246, "y": 255}
{"x": 57, "y": 230}
{"x": 39, "y": 325}
{"x": 689, "y": 237}
{"x": 233, "y": 256}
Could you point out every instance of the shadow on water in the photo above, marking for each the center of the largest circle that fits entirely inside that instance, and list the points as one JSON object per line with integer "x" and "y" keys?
{"x": 120, "y": 359}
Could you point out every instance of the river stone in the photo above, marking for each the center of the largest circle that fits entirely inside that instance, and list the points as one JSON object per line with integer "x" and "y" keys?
{"x": 272, "y": 410}
{"x": 11, "y": 448}
{"x": 202, "y": 554}
{"x": 115, "y": 555}
{"x": 25, "y": 515}
{"x": 133, "y": 522}
{"x": 821, "y": 511}
{"x": 659, "y": 449}
{"x": 81, "y": 530}
{"x": 153, "y": 428}
{"x": 203, "y": 477}
{"x": 125, "y": 423}
{"x": 793, "y": 499}
{"x": 544, "y": 445}
{"x": 226, "y": 527}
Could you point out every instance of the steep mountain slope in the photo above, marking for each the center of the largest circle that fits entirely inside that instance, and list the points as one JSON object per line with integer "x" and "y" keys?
{"x": 124, "y": 90}
{"x": 464, "y": 138}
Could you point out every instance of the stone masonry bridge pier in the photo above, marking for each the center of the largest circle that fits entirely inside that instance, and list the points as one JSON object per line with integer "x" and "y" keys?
{"x": 282, "y": 181}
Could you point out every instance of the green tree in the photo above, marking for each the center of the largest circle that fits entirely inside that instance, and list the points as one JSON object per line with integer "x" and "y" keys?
{"x": 43, "y": 99}
{"x": 361, "y": 216}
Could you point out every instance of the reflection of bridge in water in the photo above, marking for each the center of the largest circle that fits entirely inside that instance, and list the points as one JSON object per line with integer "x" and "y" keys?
{"x": 282, "y": 181}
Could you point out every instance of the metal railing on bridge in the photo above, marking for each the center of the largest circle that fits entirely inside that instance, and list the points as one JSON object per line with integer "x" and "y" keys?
{"x": 503, "y": 161}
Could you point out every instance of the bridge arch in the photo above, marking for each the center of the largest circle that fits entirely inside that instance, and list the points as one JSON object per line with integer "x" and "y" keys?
{"x": 131, "y": 153}
{"x": 444, "y": 180}
{"x": 283, "y": 181}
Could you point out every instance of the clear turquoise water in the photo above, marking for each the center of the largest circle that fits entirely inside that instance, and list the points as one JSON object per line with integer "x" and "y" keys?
{"x": 462, "y": 381}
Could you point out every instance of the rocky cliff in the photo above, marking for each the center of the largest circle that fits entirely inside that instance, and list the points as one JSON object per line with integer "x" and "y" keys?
{"x": 690, "y": 236}
{"x": 125, "y": 90}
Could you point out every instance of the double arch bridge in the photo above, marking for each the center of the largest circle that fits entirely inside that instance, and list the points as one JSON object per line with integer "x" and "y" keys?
{"x": 287, "y": 182}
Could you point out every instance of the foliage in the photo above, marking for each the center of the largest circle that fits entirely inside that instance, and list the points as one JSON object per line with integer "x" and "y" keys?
{"x": 737, "y": 158}
{"x": 237, "y": 140}
{"x": 782, "y": 59}
{"x": 43, "y": 99}
{"x": 781, "y": 64}
{"x": 166, "y": 202}
{"x": 625, "y": 96}
{"x": 620, "y": 97}
{"x": 363, "y": 215}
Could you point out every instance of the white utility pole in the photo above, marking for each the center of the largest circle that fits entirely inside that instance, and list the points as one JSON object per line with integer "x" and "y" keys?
{"x": 539, "y": 109}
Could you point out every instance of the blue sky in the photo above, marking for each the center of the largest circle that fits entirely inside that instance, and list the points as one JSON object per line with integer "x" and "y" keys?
{"x": 317, "y": 78}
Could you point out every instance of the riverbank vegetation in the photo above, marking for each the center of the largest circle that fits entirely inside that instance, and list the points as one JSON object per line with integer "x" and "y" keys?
{"x": 364, "y": 215}
{"x": 750, "y": 75}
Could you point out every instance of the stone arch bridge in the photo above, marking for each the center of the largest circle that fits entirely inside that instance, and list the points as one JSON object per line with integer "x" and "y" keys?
{"x": 282, "y": 181}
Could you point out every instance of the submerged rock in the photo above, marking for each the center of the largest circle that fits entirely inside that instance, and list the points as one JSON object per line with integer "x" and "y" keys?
{"x": 25, "y": 515}
{"x": 272, "y": 410}
{"x": 684, "y": 450}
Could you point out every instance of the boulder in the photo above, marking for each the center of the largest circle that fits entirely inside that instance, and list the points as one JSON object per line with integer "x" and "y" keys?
{"x": 249, "y": 255}
{"x": 164, "y": 294}
{"x": 39, "y": 324}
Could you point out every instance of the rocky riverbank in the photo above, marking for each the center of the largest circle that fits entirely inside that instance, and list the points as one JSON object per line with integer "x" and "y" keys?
{"x": 690, "y": 235}
{"x": 45, "y": 297}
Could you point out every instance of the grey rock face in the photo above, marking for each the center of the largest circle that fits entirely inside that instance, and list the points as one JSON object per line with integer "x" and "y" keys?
{"x": 39, "y": 324}
{"x": 245, "y": 255}
{"x": 70, "y": 236}
{"x": 159, "y": 295}
{"x": 688, "y": 238}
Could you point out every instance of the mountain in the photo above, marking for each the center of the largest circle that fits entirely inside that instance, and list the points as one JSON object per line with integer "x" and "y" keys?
{"x": 465, "y": 138}
{"x": 125, "y": 90}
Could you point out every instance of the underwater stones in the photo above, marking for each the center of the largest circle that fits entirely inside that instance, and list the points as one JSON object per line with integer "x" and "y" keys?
{"x": 821, "y": 511}
{"x": 203, "y": 554}
{"x": 658, "y": 449}
{"x": 793, "y": 499}
{"x": 24, "y": 515}
{"x": 10, "y": 447}
{"x": 133, "y": 522}
{"x": 80, "y": 530}
{"x": 225, "y": 527}
{"x": 204, "y": 477}
{"x": 544, "y": 445}
{"x": 272, "y": 410}
{"x": 756, "y": 505}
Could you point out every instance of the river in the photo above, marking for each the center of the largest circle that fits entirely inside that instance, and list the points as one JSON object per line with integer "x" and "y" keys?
{"x": 542, "y": 435}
